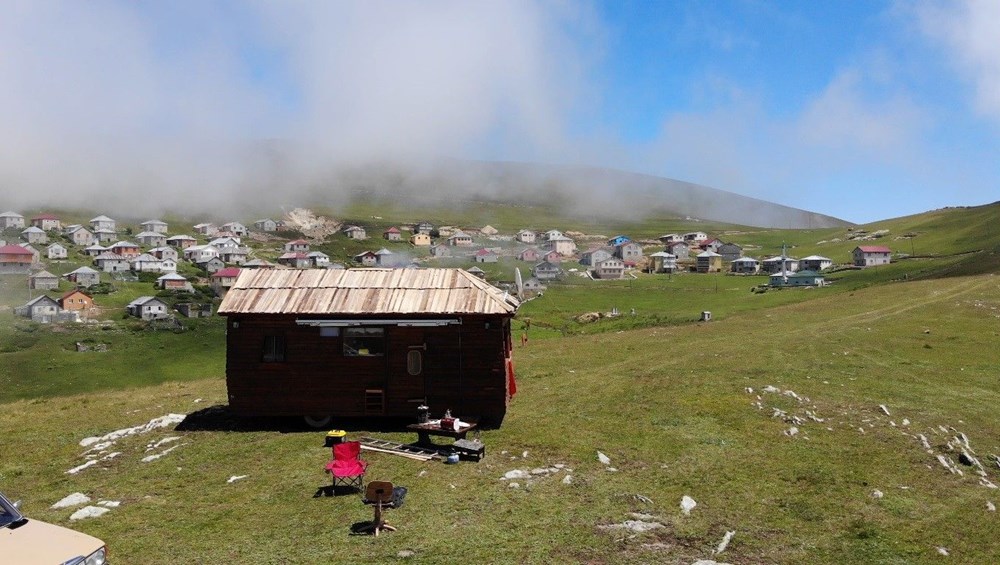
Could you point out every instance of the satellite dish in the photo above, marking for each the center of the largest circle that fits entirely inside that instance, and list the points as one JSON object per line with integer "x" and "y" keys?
{"x": 519, "y": 283}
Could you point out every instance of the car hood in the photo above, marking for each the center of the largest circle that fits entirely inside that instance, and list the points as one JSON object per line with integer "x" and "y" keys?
{"x": 40, "y": 542}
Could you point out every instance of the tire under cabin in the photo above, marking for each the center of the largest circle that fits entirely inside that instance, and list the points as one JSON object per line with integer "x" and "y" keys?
{"x": 368, "y": 342}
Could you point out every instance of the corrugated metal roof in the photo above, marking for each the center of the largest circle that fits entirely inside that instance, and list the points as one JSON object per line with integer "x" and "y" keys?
{"x": 364, "y": 291}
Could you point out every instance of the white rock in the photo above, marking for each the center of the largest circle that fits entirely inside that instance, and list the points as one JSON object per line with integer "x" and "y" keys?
{"x": 792, "y": 431}
{"x": 725, "y": 541}
{"x": 516, "y": 474}
{"x": 708, "y": 562}
{"x": 405, "y": 554}
{"x": 877, "y": 494}
{"x": 942, "y": 550}
{"x": 884, "y": 409}
{"x": 611, "y": 469}
{"x": 235, "y": 478}
{"x": 75, "y": 499}
{"x": 906, "y": 421}
{"x": 524, "y": 454}
{"x": 76, "y": 470}
{"x": 770, "y": 388}
{"x": 568, "y": 479}
{"x": 540, "y": 471}
{"x": 634, "y": 526}
{"x": 155, "y": 423}
{"x": 88, "y": 512}
{"x": 514, "y": 485}
{"x": 604, "y": 459}
{"x": 991, "y": 507}
{"x": 422, "y": 473}
{"x": 110, "y": 503}
{"x": 156, "y": 456}
{"x": 687, "y": 504}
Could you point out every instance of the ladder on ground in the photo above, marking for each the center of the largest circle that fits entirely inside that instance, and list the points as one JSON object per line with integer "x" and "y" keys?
{"x": 396, "y": 448}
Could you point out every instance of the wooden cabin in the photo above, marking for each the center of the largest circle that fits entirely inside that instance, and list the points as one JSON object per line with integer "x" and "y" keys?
{"x": 368, "y": 342}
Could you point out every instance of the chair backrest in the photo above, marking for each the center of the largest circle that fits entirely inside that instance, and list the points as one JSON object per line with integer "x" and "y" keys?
{"x": 347, "y": 451}
{"x": 379, "y": 491}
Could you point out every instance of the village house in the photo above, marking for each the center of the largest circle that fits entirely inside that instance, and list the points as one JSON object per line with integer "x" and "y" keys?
{"x": 151, "y": 238}
{"x": 235, "y": 228}
{"x": 592, "y": 257}
{"x": 42, "y": 309}
{"x": 533, "y": 285}
{"x": 194, "y": 309}
{"x": 112, "y": 262}
{"x": 181, "y": 241}
{"x": 871, "y": 255}
{"x": 366, "y": 259}
{"x": 529, "y": 255}
{"x": 224, "y": 278}
{"x": 125, "y": 249}
{"x": 103, "y": 223}
{"x": 385, "y": 258}
{"x": 11, "y": 220}
{"x": 46, "y": 222}
{"x": 200, "y": 253}
{"x": 266, "y": 225}
{"x": 211, "y": 265}
{"x": 36, "y": 256}
{"x": 94, "y": 249}
{"x": 318, "y": 259}
{"x": 800, "y": 278}
{"x": 105, "y": 236}
{"x": 235, "y": 255}
{"x": 148, "y": 308}
{"x": 460, "y": 238}
{"x": 729, "y": 251}
{"x": 355, "y": 232}
{"x": 552, "y": 233}
{"x": 446, "y": 231}
{"x": 671, "y": 238}
{"x": 81, "y": 236}
{"x": 68, "y": 229}
{"x": 546, "y": 271}
{"x": 84, "y": 276}
{"x": 297, "y": 246}
{"x": 205, "y": 228}
{"x": 43, "y": 280}
{"x": 34, "y": 234}
{"x": 173, "y": 281}
{"x": 745, "y": 266}
{"x": 15, "y": 259}
{"x": 477, "y": 272}
{"x": 225, "y": 242}
{"x": 815, "y": 263}
{"x": 164, "y": 253}
{"x": 613, "y": 268}
{"x": 662, "y": 262}
{"x": 618, "y": 240}
{"x": 155, "y": 226}
{"x": 439, "y": 250}
{"x": 420, "y": 239}
{"x": 294, "y": 259}
{"x": 629, "y": 252}
{"x": 552, "y": 257}
{"x": 708, "y": 262}
{"x": 55, "y": 251}
{"x": 146, "y": 263}
{"x": 526, "y": 236}
{"x": 712, "y": 245}
{"x": 257, "y": 264}
{"x": 774, "y": 265}
{"x": 679, "y": 249}
{"x": 485, "y": 256}
{"x": 423, "y": 227}
{"x": 695, "y": 237}
{"x": 77, "y": 301}
{"x": 384, "y": 342}
{"x": 392, "y": 234}
{"x": 561, "y": 245}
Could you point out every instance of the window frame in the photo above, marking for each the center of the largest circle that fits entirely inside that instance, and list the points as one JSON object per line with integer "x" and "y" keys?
{"x": 370, "y": 333}
{"x": 274, "y": 349}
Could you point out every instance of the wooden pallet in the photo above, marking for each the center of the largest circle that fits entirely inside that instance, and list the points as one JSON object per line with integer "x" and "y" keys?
{"x": 396, "y": 448}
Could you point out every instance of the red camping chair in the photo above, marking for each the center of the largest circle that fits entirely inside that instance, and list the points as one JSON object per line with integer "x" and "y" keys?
{"x": 347, "y": 467}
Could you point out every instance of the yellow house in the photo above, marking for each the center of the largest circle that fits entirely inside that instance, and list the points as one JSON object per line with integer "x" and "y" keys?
{"x": 420, "y": 239}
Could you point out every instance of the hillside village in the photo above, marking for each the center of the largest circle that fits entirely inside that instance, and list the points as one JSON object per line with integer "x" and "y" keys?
{"x": 74, "y": 266}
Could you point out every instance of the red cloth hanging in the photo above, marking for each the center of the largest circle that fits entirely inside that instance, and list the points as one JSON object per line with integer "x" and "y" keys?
{"x": 511, "y": 383}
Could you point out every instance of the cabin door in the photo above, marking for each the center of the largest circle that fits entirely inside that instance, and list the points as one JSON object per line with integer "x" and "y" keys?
{"x": 407, "y": 370}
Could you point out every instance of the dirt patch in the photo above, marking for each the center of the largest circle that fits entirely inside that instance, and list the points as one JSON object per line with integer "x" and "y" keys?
{"x": 310, "y": 225}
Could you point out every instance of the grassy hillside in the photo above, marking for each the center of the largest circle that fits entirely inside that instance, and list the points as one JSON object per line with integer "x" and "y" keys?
{"x": 671, "y": 409}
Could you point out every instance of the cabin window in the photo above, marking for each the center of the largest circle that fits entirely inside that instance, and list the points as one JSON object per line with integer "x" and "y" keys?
{"x": 414, "y": 363}
{"x": 364, "y": 341}
{"x": 274, "y": 349}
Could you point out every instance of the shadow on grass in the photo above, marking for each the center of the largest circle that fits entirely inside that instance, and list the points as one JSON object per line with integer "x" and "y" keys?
{"x": 336, "y": 491}
{"x": 219, "y": 418}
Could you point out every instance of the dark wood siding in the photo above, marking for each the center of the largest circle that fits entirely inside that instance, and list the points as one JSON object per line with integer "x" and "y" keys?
{"x": 463, "y": 369}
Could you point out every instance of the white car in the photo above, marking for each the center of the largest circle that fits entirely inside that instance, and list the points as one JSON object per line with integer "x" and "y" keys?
{"x": 27, "y": 542}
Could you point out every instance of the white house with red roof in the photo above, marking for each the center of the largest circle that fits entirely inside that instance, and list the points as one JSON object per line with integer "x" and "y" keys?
{"x": 297, "y": 246}
{"x": 871, "y": 255}
{"x": 225, "y": 278}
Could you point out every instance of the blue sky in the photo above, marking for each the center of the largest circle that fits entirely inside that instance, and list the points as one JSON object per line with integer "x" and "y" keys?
{"x": 859, "y": 109}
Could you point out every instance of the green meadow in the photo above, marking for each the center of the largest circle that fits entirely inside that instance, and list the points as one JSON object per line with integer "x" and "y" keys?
{"x": 770, "y": 417}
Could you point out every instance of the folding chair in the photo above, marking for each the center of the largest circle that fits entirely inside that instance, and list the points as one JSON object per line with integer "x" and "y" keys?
{"x": 347, "y": 467}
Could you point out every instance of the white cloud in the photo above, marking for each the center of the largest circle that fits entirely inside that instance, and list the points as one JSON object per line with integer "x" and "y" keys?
{"x": 970, "y": 31}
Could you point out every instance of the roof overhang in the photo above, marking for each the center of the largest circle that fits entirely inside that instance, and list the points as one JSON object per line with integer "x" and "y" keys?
{"x": 347, "y": 323}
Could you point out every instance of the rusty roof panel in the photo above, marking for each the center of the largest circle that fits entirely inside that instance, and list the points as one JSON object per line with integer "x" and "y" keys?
{"x": 364, "y": 291}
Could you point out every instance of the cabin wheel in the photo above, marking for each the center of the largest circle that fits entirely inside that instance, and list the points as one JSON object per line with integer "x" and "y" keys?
{"x": 318, "y": 421}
